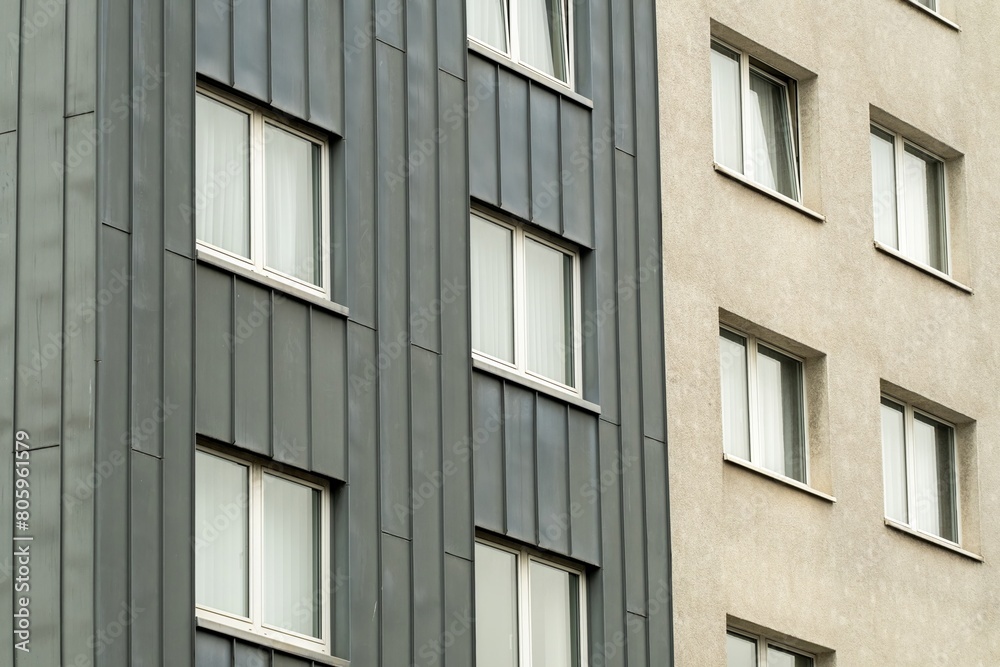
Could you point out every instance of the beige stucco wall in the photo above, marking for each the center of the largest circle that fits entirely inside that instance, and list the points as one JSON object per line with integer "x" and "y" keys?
{"x": 833, "y": 574}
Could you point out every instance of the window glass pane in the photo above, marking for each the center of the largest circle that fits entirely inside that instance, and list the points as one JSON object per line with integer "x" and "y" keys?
{"x": 772, "y": 146}
{"x": 221, "y": 534}
{"x": 735, "y": 404}
{"x": 292, "y": 596}
{"x": 496, "y": 607}
{"x": 542, "y": 36}
{"x": 222, "y": 176}
{"x": 894, "y": 461}
{"x": 884, "y": 187}
{"x": 492, "y": 268}
{"x": 777, "y": 657}
{"x": 726, "y": 116}
{"x": 930, "y": 4}
{"x": 487, "y": 22}
{"x": 555, "y": 616}
{"x": 740, "y": 651}
{"x": 934, "y": 507}
{"x": 779, "y": 413}
{"x": 923, "y": 209}
{"x": 291, "y": 204}
{"x": 548, "y": 295}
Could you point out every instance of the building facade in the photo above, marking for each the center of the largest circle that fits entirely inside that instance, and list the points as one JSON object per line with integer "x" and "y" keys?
{"x": 326, "y": 330}
{"x": 830, "y": 267}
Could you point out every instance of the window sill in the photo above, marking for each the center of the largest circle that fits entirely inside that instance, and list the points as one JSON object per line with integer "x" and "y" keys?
{"x": 929, "y": 270}
{"x": 788, "y": 481}
{"x": 271, "y": 283}
{"x": 542, "y": 388}
{"x": 266, "y": 642}
{"x": 933, "y": 14}
{"x": 527, "y": 72}
{"x": 927, "y": 537}
{"x": 776, "y": 196}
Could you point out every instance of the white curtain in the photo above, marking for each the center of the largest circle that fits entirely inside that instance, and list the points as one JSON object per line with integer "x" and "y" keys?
{"x": 726, "y": 115}
{"x": 779, "y": 414}
{"x": 772, "y": 153}
{"x": 487, "y": 22}
{"x": 894, "y": 462}
{"x": 542, "y": 35}
{"x": 496, "y": 607}
{"x": 549, "y": 311}
{"x": 922, "y": 210}
{"x": 884, "y": 188}
{"x": 221, "y": 534}
{"x": 933, "y": 479}
{"x": 735, "y": 406}
{"x": 554, "y": 616}
{"x": 291, "y": 594}
{"x": 291, "y": 205}
{"x": 740, "y": 651}
{"x": 222, "y": 176}
{"x": 492, "y": 268}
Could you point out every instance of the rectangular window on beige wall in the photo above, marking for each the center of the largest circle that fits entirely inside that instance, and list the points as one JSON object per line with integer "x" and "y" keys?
{"x": 908, "y": 199}
{"x": 746, "y": 650}
{"x": 755, "y": 120}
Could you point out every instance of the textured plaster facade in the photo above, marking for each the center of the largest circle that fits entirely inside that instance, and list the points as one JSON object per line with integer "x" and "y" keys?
{"x": 832, "y": 577}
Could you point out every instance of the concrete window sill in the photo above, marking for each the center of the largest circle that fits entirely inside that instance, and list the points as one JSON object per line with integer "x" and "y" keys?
{"x": 937, "y": 541}
{"x": 499, "y": 371}
{"x": 788, "y": 481}
{"x": 933, "y": 14}
{"x": 929, "y": 270}
{"x": 776, "y": 196}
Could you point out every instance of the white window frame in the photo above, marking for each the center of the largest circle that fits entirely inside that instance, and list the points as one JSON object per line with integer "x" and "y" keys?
{"x": 909, "y": 413}
{"x": 791, "y": 87}
{"x": 519, "y": 233}
{"x": 524, "y": 556}
{"x": 510, "y": 8}
{"x": 763, "y": 643}
{"x": 254, "y": 623}
{"x": 257, "y": 262}
{"x": 899, "y": 144}
{"x": 755, "y": 454}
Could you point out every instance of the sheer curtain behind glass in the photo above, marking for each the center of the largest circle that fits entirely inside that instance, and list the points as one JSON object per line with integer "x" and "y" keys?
{"x": 541, "y": 36}
{"x": 735, "y": 402}
{"x": 291, "y": 203}
{"x": 222, "y": 174}
{"x": 487, "y": 22}
{"x": 772, "y": 147}
{"x": 496, "y": 607}
{"x": 291, "y": 556}
{"x": 779, "y": 413}
{"x": 934, "y": 479}
{"x": 548, "y": 287}
{"x": 777, "y": 657}
{"x": 740, "y": 651}
{"x": 492, "y": 268}
{"x": 222, "y": 534}
{"x": 884, "y": 188}
{"x": 554, "y": 616}
{"x": 923, "y": 208}
{"x": 727, "y": 119}
{"x": 894, "y": 461}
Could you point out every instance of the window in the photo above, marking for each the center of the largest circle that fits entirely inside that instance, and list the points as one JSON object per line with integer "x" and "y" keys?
{"x": 763, "y": 405}
{"x": 755, "y": 120}
{"x": 532, "y": 32}
{"x": 744, "y": 650}
{"x": 529, "y": 610}
{"x": 920, "y": 470}
{"x": 929, "y": 4}
{"x": 261, "y": 193}
{"x": 261, "y": 550}
{"x": 908, "y": 199}
{"x": 525, "y": 302}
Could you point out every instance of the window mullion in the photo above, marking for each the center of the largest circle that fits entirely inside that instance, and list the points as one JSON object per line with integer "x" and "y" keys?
{"x": 744, "y": 124}
{"x": 256, "y": 547}
{"x": 911, "y": 492}
{"x": 524, "y": 609}
{"x": 752, "y": 398}
{"x": 512, "y": 47}
{"x": 520, "y": 305}
{"x": 900, "y": 166}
